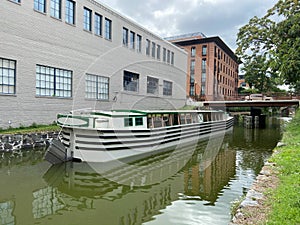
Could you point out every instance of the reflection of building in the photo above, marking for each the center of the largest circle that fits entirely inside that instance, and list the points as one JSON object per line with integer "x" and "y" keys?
{"x": 56, "y": 56}
{"x": 208, "y": 179}
{"x": 212, "y": 66}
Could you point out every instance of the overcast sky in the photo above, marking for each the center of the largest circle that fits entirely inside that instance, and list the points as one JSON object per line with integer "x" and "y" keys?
{"x": 166, "y": 18}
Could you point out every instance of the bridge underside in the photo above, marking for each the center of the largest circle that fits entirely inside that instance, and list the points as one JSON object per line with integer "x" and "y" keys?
{"x": 275, "y": 103}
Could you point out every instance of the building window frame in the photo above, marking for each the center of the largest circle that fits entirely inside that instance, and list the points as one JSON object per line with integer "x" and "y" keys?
{"x": 40, "y": 5}
{"x": 125, "y": 36}
{"x": 98, "y": 24}
{"x": 158, "y": 52}
{"x": 8, "y": 69}
{"x": 132, "y": 40}
{"x": 172, "y": 58}
{"x": 148, "y": 43}
{"x": 108, "y": 29}
{"x": 152, "y": 85}
{"x": 168, "y": 56}
{"x": 53, "y": 82}
{"x": 139, "y": 43}
{"x": 204, "y": 50}
{"x": 164, "y": 54}
{"x": 192, "y": 67}
{"x": 87, "y": 19}
{"x": 96, "y": 87}
{"x": 167, "y": 88}
{"x": 153, "y": 50}
{"x": 130, "y": 81}
{"x": 193, "y": 51}
{"x": 55, "y": 9}
{"x": 70, "y": 12}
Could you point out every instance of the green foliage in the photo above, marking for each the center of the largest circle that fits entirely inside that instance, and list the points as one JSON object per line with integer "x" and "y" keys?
{"x": 285, "y": 200}
{"x": 31, "y": 129}
{"x": 269, "y": 48}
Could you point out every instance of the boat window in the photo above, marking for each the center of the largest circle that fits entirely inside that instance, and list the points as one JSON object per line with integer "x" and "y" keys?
{"x": 139, "y": 121}
{"x": 200, "y": 118}
{"x": 158, "y": 122}
{"x": 188, "y": 118}
{"x": 128, "y": 122}
{"x": 182, "y": 119}
{"x": 194, "y": 118}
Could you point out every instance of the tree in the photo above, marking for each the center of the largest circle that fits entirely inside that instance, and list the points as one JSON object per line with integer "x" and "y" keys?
{"x": 270, "y": 47}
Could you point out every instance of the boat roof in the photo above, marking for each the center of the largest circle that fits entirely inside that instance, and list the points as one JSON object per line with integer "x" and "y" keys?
{"x": 138, "y": 113}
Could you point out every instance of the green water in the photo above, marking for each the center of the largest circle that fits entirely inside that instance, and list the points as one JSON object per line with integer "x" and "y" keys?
{"x": 192, "y": 185}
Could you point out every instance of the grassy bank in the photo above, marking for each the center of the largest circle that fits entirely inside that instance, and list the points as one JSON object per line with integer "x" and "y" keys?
{"x": 285, "y": 199}
{"x": 34, "y": 128}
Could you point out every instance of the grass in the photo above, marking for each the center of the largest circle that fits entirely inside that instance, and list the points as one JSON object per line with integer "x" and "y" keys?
{"x": 285, "y": 199}
{"x": 34, "y": 128}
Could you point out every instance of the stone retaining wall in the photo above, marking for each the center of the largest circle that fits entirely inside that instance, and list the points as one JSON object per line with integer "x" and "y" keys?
{"x": 12, "y": 142}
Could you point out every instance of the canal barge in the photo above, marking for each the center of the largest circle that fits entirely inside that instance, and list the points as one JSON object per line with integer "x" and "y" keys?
{"x": 128, "y": 135}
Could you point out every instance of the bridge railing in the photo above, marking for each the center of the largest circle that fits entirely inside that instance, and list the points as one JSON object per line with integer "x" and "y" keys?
{"x": 241, "y": 97}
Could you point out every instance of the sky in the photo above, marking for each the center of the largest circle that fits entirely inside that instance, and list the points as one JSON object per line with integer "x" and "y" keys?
{"x": 167, "y": 18}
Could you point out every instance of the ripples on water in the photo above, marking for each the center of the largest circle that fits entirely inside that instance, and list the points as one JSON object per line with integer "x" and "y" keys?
{"x": 189, "y": 186}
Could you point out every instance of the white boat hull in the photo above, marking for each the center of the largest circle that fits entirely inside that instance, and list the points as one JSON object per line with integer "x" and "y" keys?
{"x": 106, "y": 145}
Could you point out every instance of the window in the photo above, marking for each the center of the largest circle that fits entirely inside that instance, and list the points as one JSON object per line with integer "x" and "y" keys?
{"x": 17, "y": 1}
{"x": 192, "y": 90}
{"x": 164, "y": 54}
{"x": 203, "y": 78}
{"x": 55, "y": 8}
{"x": 168, "y": 56}
{"x": 153, "y": 49}
{"x": 204, "y": 50}
{"x": 7, "y": 76}
{"x": 202, "y": 89}
{"x": 125, "y": 36}
{"x": 152, "y": 85}
{"x": 131, "y": 81}
{"x": 193, "y": 51}
{"x": 147, "y": 47}
{"x": 40, "y": 5}
{"x": 96, "y": 87}
{"x": 203, "y": 65}
{"x": 192, "y": 69}
{"x": 128, "y": 122}
{"x": 167, "y": 88}
{"x": 139, "y": 43}
{"x": 132, "y": 40}
{"x": 70, "y": 12}
{"x": 98, "y": 24}
{"x": 87, "y": 19}
{"x": 172, "y": 58}
{"x": 158, "y": 52}
{"x": 53, "y": 82}
{"x": 108, "y": 28}
{"x": 139, "y": 121}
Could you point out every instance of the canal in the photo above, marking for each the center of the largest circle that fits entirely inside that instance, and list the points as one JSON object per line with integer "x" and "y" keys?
{"x": 190, "y": 186}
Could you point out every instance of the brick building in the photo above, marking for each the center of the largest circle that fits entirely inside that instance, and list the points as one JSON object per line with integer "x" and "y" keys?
{"x": 212, "y": 67}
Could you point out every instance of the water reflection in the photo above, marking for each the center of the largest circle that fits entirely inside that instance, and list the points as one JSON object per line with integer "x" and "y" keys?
{"x": 181, "y": 189}
{"x": 77, "y": 185}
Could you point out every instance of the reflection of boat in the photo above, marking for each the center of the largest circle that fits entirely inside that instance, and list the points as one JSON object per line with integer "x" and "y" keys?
{"x": 103, "y": 136}
{"x": 131, "y": 194}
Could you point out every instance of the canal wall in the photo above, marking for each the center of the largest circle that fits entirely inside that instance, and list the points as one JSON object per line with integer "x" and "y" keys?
{"x": 13, "y": 142}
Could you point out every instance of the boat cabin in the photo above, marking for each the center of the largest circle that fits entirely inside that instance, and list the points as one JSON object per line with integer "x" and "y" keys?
{"x": 136, "y": 119}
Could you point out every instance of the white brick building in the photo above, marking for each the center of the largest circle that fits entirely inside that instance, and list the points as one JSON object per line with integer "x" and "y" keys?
{"x": 61, "y": 55}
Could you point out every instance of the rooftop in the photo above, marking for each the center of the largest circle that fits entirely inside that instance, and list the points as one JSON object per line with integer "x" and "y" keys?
{"x": 189, "y": 36}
